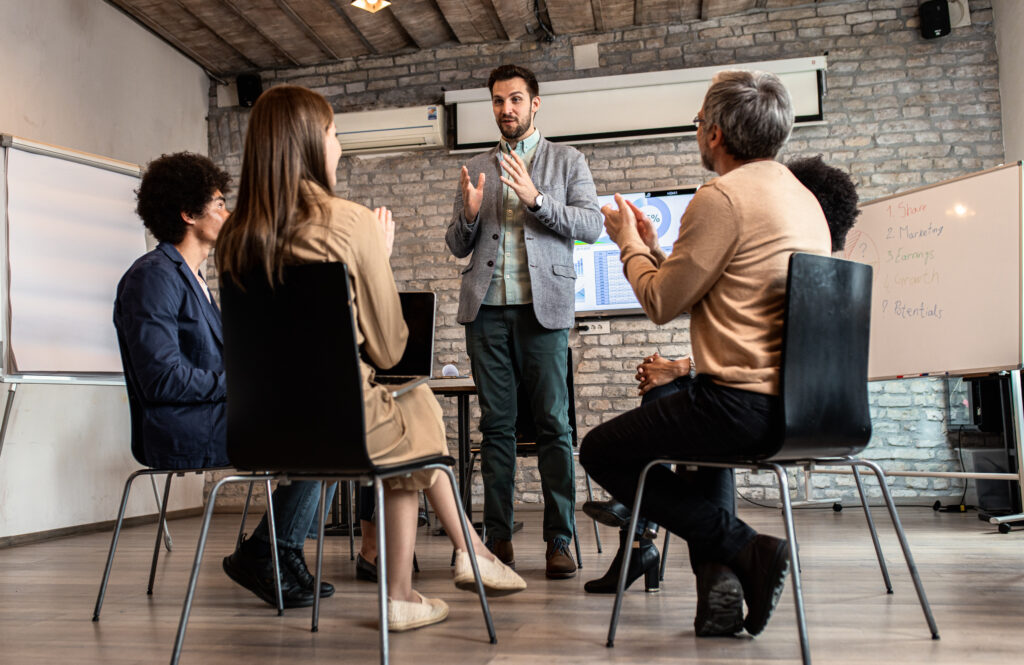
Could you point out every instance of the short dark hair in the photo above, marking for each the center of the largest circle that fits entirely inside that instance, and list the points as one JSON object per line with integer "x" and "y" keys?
{"x": 753, "y": 110}
{"x": 183, "y": 182}
{"x": 506, "y": 72}
{"x": 836, "y": 194}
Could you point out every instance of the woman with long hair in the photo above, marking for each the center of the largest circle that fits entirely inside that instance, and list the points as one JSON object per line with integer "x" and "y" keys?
{"x": 287, "y": 214}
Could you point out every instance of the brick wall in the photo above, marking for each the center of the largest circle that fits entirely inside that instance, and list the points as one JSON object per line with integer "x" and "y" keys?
{"x": 900, "y": 112}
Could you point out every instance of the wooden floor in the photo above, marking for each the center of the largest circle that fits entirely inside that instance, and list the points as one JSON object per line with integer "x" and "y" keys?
{"x": 973, "y": 575}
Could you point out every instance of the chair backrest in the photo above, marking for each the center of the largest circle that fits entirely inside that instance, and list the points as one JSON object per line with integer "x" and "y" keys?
{"x": 526, "y": 428}
{"x": 295, "y": 399}
{"x": 134, "y": 405}
{"x": 825, "y": 358}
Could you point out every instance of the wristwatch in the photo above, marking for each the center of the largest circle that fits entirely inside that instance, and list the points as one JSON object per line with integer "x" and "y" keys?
{"x": 537, "y": 204}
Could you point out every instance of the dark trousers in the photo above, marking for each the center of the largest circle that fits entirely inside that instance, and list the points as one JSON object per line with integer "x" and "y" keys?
{"x": 507, "y": 346}
{"x": 718, "y": 486}
{"x": 701, "y": 421}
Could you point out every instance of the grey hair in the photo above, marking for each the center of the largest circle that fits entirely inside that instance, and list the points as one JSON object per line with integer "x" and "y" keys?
{"x": 753, "y": 110}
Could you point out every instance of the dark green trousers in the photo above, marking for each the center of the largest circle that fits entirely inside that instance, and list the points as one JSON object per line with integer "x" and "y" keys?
{"x": 508, "y": 347}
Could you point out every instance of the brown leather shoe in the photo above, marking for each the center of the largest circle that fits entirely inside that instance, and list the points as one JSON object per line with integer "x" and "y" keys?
{"x": 502, "y": 549}
{"x": 560, "y": 565}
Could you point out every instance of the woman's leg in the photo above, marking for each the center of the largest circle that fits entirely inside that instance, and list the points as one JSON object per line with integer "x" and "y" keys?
{"x": 442, "y": 499}
{"x": 400, "y": 508}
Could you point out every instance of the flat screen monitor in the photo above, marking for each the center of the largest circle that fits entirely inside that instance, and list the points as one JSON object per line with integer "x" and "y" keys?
{"x": 601, "y": 288}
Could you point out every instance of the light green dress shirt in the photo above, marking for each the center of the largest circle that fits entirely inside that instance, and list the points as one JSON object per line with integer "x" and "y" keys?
{"x": 510, "y": 284}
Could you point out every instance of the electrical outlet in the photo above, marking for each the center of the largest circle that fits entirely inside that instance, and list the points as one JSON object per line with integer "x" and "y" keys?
{"x": 595, "y": 328}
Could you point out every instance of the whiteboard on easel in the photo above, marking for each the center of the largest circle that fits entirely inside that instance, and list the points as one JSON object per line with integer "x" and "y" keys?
{"x": 946, "y": 296}
{"x": 70, "y": 232}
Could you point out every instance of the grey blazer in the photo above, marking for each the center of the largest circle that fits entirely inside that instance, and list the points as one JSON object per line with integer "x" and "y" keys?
{"x": 568, "y": 212}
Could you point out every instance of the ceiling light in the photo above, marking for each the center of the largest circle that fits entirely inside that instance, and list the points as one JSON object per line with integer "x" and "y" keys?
{"x": 372, "y": 6}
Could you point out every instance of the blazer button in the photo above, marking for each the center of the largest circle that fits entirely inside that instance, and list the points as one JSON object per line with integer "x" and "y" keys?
{"x": 494, "y": 237}
{"x": 490, "y": 264}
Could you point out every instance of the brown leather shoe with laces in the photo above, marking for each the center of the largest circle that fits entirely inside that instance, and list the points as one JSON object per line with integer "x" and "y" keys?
{"x": 561, "y": 565}
{"x": 503, "y": 550}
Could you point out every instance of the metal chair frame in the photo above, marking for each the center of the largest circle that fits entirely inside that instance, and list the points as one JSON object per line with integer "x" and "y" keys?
{"x": 823, "y": 407}
{"x": 161, "y": 525}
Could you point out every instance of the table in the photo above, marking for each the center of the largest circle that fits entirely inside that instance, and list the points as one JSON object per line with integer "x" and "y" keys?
{"x": 460, "y": 388}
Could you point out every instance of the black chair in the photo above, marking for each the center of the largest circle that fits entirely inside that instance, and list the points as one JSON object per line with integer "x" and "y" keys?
{"x": 295, "y": 404}
{"x": 526, "y": 446}
{"x": 135, "y": 408}
{"x": 824, "y": 402}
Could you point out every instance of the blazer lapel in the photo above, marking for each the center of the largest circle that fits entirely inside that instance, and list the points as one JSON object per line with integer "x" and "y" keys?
{"x": 209, "y": 310}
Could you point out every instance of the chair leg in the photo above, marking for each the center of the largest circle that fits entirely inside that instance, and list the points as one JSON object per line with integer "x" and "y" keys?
{"x": 186, "y": 608}
{"x": 624, "y": 570}
{"x": 168, "y": 543}
{"x": 322, "y": 514}
{"x": 472, "y": 559}
{"x": 113, "y": 541}
{"x": 794, "y": 561}
{"x": 350, "y": 519}
{"x": 664, "y": 557}
{"x": 273, "y": 548}
{"x": 382, "y": 568}
{"x": 159, "y": 533}
{"x": 911, "y": 566}
{"x": 245, "y": 515}
{"x": 576, "y": 540}
{"x": 590, "y": 497}
{"x": 871, "y": 528}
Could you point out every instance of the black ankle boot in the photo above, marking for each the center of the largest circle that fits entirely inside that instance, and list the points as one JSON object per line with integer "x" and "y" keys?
{"x": 643, "y": 561}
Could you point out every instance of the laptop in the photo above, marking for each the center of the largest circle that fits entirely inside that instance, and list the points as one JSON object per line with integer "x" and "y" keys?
{"x": 417, "y": 363}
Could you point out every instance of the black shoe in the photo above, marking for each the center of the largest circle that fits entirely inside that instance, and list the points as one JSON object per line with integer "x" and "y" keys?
{"x": 719, "y": 601}
{"x": 255, "y": 572}
{"x": 365, "y": 570}
{"x": 761, "y": 566}
{"x": 294, "y": 561}
{"x": 643, "y": 561}
{"x": 609, "y": 513}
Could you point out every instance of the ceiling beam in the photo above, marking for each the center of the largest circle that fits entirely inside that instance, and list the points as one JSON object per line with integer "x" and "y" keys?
{"x": 307, "y": 29}
{"x": 492, "y": 13}
{"x": 259, "y": 31}
{"x": 595, "y": 5}
{"x": 350, "y": 23}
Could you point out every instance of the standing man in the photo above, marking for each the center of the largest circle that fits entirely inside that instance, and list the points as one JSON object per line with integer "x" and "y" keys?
{"x": 169, "y": 332}
{"x": 728, "y": 270}
{"x": 518, "y": 209}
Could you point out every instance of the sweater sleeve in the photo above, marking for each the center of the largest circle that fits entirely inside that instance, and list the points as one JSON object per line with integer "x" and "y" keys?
{"x": 708, "y": 239}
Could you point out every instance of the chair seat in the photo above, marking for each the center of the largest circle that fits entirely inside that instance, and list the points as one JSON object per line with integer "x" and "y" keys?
{"x": 379, "y": 470}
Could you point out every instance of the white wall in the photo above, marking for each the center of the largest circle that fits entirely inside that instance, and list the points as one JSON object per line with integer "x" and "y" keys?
{"x": 1008, "y": 16}
{"x": 79, "y": 74}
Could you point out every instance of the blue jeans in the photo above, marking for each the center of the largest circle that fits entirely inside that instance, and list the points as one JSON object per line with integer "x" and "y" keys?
{"x": 294, "y": 511}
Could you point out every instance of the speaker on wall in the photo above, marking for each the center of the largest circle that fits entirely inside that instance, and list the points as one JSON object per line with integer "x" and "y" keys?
{"x": 250, "y": 87}
{"x": 934, "y": 16}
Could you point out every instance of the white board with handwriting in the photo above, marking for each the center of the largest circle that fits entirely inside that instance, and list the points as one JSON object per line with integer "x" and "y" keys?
{"x": 947, "y": 291}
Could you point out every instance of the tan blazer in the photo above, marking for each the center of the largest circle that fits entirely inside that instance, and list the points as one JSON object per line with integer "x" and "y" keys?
{"x": 396, "y": 429}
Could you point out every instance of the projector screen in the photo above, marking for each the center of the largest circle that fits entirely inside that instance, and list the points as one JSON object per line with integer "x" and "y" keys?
{"x": 601, "y": 287}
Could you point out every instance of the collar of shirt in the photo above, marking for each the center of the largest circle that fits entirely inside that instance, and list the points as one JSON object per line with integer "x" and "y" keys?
{"x": 523, "y": 147}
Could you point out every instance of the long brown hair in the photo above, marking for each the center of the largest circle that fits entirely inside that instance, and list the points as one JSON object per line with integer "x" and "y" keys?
{"x": 284, "y": 145}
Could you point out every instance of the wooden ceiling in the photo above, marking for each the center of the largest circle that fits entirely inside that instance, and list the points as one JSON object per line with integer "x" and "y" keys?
{"x": 228, "y": 37}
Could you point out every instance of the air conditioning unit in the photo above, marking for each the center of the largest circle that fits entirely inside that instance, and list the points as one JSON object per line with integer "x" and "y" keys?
{"x": 391, "y": 129}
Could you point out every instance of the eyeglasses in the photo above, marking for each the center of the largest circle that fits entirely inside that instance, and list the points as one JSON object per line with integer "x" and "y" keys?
{"x": 697, "y": 120}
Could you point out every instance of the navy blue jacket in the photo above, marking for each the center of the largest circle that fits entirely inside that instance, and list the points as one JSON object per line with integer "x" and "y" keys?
{"x": 172, "y": 351}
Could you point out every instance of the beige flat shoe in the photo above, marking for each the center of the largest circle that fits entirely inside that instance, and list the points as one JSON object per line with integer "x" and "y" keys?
{"x": 406, "y": 615}
{"x": 498, "y": 579}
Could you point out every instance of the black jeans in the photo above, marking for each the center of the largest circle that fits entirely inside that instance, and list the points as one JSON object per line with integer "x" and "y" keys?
{"x": 701, "y": 421}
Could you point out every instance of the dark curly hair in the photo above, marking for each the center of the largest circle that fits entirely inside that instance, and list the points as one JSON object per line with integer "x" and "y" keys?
{"x": 507, "y": 72}
{"x": 173, "y": 184}
{"x": 836, "y": 194}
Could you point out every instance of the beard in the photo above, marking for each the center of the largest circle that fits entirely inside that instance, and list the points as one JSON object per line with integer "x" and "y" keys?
{"x": 516, "y": 132}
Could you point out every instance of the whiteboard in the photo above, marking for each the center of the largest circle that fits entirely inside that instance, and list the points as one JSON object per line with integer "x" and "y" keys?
{"x": 946, "y": 296}
{"x": 70, "y": 232}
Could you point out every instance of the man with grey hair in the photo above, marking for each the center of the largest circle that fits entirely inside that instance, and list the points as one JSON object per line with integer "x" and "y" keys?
{"x": 728, "y": 270}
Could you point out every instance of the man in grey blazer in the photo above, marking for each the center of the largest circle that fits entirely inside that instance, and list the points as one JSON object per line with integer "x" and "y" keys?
{"x": 531, "y": 199}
